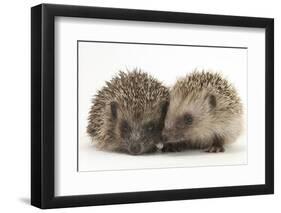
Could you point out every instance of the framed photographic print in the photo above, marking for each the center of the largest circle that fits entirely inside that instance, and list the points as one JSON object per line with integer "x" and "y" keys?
{"x": 139, "y": 106}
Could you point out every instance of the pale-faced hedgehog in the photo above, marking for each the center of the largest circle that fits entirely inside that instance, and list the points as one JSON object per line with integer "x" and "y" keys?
{"x": 128, "y": 113}
{"x": 205, "y": 112}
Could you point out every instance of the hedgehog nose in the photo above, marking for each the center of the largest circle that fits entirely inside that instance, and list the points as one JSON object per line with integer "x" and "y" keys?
{"x": 135, "y": 148}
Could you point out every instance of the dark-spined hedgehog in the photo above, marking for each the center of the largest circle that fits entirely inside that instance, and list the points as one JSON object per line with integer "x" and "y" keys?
{"x": 205, "y": 112}
{"x": 127, "y": 115}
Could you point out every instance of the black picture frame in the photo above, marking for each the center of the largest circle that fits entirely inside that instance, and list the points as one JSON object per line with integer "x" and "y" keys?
{"x": 43, "y": 102}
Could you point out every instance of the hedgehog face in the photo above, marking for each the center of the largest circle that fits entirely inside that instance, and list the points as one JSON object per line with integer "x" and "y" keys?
{"x": 189, "y": 118}
{"x": 138, "y": 133}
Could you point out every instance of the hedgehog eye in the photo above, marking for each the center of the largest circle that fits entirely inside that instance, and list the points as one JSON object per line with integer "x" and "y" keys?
{"x": 188, "y": 119}
{"x": 150, "y": 127}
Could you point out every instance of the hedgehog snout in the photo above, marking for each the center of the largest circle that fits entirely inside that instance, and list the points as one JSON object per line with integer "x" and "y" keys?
{"x": 171, "y": 135}
{"x": 135, "y": 148}
{"x": 166, "y": 133}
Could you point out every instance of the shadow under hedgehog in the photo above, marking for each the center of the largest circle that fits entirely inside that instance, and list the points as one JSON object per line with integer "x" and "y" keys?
{"x": 127, "y": 115}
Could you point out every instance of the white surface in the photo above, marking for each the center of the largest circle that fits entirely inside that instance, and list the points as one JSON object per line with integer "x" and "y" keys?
{"x": 91, "y": 159}
{"x": 98, "y": 62}
{"x": 15, "y": 91}
{"x": 68, "y": 181}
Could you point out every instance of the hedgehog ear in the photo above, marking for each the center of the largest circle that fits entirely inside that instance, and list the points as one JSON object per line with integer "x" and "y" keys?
{"x": 113, "y": 109}
{"x": 212, "y": 101}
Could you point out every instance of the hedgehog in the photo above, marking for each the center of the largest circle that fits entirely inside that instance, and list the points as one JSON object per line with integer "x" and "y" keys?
{"x": 205, "y": 112}
{"x": 128, "y": 113}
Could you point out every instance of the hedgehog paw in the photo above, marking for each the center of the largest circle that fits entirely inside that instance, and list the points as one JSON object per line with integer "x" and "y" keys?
{"x": 214, "y": 149}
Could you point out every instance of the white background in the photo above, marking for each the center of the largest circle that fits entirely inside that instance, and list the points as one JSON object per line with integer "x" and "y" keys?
{"x": 98, "y": 62}
{"x": 15, "y": 106}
